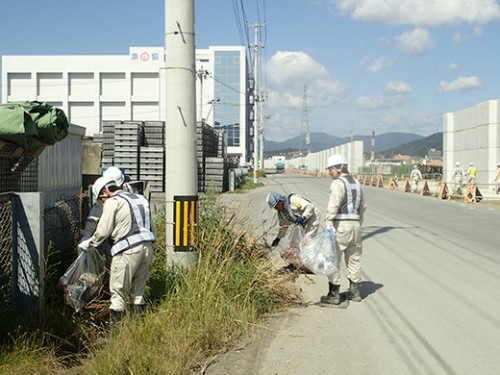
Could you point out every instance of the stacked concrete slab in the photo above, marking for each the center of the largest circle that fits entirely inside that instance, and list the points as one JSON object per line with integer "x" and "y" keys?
{"x": 139, "y": 148}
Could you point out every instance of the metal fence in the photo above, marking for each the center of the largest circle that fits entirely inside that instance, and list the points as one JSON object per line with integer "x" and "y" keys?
{"x": 61, "y": 224}
{"x": 6, "y": 250}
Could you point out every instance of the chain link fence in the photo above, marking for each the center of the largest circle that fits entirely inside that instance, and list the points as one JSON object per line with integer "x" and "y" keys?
{"x": 62, "y": 224}
{"x": 6, "y": 250}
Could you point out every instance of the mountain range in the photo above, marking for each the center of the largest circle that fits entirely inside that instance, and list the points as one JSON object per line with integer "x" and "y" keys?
{"x": 387, "y": 143}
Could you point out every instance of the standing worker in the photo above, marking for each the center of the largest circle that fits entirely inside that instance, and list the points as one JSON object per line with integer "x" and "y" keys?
{"x": 126, "y": 221}
{"x": 471, "y": 172}
{"x": 344, "y": 217}
{"x": 497, "y": 179}
{"x": 293, "y": 209}
{"x": 457, "y": 176}
{"x": 415, "y": 176}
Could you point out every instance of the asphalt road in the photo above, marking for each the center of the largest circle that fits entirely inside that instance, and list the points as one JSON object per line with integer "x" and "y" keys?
{"x": 431, "y": 289}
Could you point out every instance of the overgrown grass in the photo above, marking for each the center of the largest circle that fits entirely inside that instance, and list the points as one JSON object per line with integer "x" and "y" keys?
{"x": 249, "y": 184}
{"x": 196, "y": 313}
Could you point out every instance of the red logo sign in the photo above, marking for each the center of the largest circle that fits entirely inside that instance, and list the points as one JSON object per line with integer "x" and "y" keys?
{"x": 144, "y": 56}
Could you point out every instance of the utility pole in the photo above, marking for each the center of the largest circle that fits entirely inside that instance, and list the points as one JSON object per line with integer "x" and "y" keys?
{"x": 181, "y": 172}
{"x": 261, "y": 133}
{"x": 256, "y": 113}
{"x": 372, "y": 156}
{"x": 304, "y": 124}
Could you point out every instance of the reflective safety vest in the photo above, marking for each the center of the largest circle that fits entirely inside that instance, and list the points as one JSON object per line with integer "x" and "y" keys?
{"x": 349, "y": 210}
{"x": 141, "y": 224}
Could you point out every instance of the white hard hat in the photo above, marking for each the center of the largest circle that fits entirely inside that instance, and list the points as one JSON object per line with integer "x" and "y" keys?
{"x": 274, "y": 198}
{"x": 101, "y": 183}
{"x": 115, "y": 174}
{"x": 457, "y": 164}
{"x": 471, "y": 163}
{"x": 335, "y": 160}
{"x": 414, "y": 166}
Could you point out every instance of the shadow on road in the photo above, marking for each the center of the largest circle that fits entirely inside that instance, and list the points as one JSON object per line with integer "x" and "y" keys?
{"x": 369, "y": 287}
{"x": 373, "y": 231}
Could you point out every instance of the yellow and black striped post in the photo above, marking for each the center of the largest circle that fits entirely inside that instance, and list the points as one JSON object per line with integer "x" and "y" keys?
{"x": 185, "y": 222}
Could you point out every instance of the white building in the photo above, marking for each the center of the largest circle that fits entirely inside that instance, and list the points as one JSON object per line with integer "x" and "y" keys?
{"x": 93, "y": 89}
{"x": 472, "y": 135}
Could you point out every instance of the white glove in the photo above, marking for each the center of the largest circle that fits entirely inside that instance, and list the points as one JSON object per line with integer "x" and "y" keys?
{"x": 84, "y": 245}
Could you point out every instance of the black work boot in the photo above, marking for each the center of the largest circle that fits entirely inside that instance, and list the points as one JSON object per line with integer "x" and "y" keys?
{"x": 353, "y": 294}
{"x": 333, "y": 296}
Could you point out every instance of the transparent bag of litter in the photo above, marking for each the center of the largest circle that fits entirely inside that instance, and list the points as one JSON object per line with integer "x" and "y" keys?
{"x": 83, "y": 279}
{"x": 291, "y": 253}
{"x": 319, "y": 255}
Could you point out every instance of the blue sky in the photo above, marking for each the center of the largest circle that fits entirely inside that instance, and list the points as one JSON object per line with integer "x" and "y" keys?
{"x": 383, "y": 65}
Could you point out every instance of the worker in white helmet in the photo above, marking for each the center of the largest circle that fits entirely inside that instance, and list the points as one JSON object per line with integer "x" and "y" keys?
{"x": 90, "y": 225}
{"x": 415, "y": 177}
{"x": 294, "y": 209}
{"x": 457, "y": 177}
{"x": 344, "y": 217}
{"x": 471, "y": 174}
{"x": 127, "y": 223}
{"x": 497, "y": 179}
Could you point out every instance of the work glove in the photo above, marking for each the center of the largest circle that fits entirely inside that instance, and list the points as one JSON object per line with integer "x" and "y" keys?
{"x": 84, "y": 245}
{"x": 299, "y": 220}
{"x": 276, "y": 241}
{"x": 330, "y": 231}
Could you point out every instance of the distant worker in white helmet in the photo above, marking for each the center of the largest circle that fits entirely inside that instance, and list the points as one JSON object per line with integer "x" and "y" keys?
{"x": 344, "y": 217}
{"x": 471, "y": 173}
{"x": 415, "y": 176}
{"x": 457, "y": 177}
{"x": 293, "y": 209}
{"x": 497, "y": 179}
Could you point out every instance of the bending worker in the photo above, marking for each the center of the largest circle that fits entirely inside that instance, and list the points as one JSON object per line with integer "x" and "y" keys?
{"x": 344, "y": 217}
{"x": 126, "y": 221}
{"x": 294, "y": 209}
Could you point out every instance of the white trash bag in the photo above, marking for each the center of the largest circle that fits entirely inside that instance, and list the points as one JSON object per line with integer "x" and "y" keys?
{"x": 318, "y": 254}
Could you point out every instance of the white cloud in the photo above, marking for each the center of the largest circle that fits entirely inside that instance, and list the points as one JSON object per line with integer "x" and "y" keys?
{"x": 378, "y": 65}
{"x": 459, "y": 37}
{"x": 415, "y": 42}
{"x": 288, "y": 71}
{"x": 453, "y": 67}
{"x": 398, "y": 87}
{"x": 477, "y": 31}
{"x": 378, "y": 102}
{"x": 421, "y": 12}
{"x": 460, "y": 84}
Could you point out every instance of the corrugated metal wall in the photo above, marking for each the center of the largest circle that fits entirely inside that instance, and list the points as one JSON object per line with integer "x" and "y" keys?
{"x": 60, "y": 167}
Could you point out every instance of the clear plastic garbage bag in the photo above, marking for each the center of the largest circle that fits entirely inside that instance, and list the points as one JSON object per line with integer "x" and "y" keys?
{"x": 83, "y": 279}
{"x": 318, "y": 254}
{"x": 291, "y": 253}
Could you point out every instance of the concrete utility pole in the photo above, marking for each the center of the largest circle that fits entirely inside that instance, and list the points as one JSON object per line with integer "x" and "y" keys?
{"x": 256, "y": 108}
{"x": 261, "y": 132}
{"x": 181, "y": 173}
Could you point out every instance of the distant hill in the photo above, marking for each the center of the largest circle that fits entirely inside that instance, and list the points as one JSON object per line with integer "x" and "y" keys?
{"x": 418, "y": 147}
{"x": 323, "y": 141}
